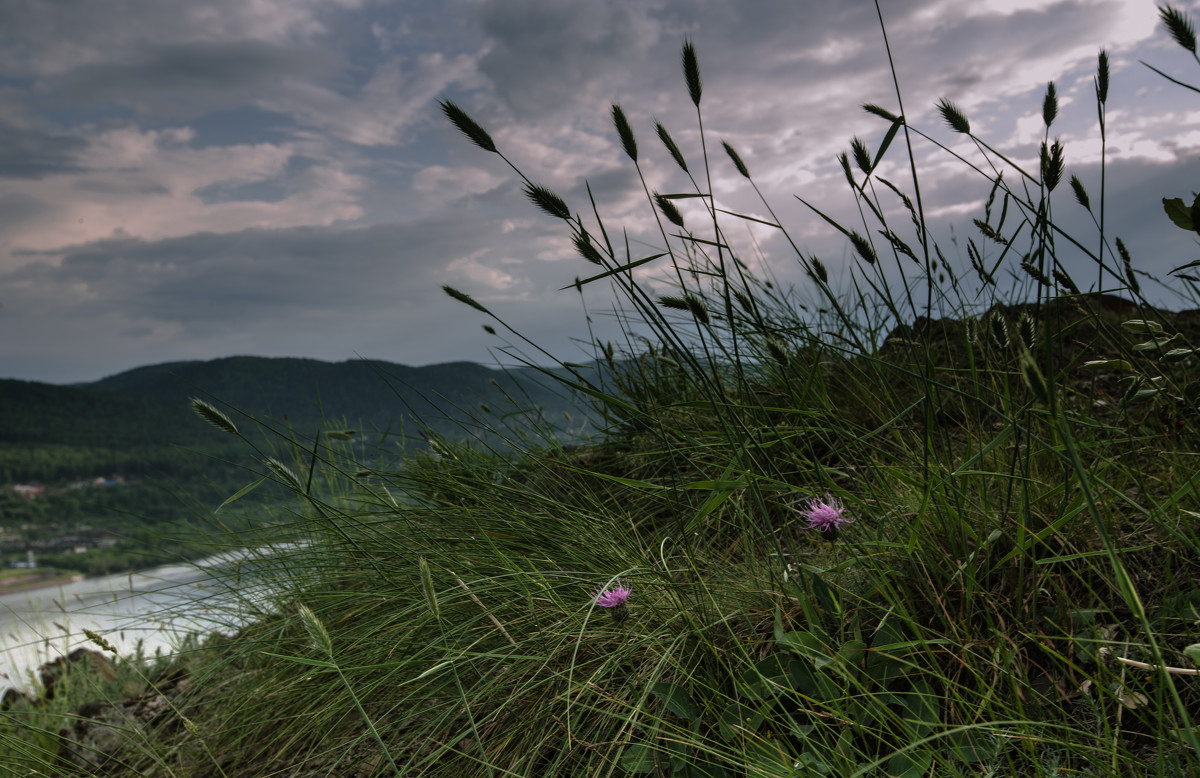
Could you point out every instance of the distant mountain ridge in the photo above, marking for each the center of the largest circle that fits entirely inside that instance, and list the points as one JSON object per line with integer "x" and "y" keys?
{"x": 149, "y": 406}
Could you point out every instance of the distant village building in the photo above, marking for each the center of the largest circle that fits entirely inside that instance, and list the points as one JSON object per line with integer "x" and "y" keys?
{"x": 29, "y": 491}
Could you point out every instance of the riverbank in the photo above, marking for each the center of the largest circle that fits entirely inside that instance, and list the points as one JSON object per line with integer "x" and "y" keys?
{"x": 38, "y": 579}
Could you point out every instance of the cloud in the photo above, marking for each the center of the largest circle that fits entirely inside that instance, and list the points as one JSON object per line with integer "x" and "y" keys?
{"x": 190, "y": 78}
{"x": 26, "y": 152}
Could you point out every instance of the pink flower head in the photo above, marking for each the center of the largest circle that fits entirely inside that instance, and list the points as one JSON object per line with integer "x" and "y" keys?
{"x": 613, "y": 598}
{"x": 824, "y": 514}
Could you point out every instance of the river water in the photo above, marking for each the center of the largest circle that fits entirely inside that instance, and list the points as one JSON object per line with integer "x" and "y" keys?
{"x": 158, "y": 607}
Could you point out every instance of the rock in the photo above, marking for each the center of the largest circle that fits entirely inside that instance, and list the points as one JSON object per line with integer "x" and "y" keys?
{"x": 80, "y": 660}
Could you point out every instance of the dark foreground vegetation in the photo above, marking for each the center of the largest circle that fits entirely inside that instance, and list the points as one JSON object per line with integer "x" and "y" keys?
{"x": 870, "y": 542}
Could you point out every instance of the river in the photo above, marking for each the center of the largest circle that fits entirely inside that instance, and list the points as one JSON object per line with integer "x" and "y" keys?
{"x": 157, "y": 607}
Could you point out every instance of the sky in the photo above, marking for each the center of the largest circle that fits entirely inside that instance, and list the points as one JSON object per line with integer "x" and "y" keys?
{"x": 198, "y": 180}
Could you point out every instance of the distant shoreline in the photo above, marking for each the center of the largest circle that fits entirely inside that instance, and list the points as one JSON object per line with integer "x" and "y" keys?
{"x": 19, "y": 584}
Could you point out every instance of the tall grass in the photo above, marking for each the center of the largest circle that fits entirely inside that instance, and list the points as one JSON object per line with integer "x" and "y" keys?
{"x": 1010, "y": 589}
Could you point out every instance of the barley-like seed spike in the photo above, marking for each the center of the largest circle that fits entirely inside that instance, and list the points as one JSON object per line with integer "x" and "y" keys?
{"x": 1081, "y": 195}
{"x": 1050, "y": 104}
{"x": 462, "y": 297}
{"x": 999, "y": 329}
{"x": 1053, "y": 164}
{"x": 628, "y": 142}
{"x": 468, "y": 126}
{"x": 862, "y": 157}
{"x": 691, "y": 73}
{"x": 954, "y": 117}
{"x": 669, "y": 210}
{"x": 665, "y": 137}
{"x": 737, "y": 161}
{"x": 213, "y": 415}
{"x": 1180, "y": 27}
{"x": 863, "y": 247}
{"x": 880, "y": 111}
{"x": 548, "y": 201}
{"x": 1102, "y": 76}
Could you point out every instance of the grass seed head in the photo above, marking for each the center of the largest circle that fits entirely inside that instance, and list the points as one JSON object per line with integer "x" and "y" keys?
{"x": 667, "y": 141}
{"x": 468, "y": 126}
{"x": 668, "y": 210}
{"x": 1179, "y": 25}
{"x": 214, "y": 416}
{"x": 737, "y": 161}
{"x": 628, "y": 142}
{"x": 1050, "y": 104}
{"x": 954, "y": 117}
{"x": 691, "y": 73}
{"x": 547, "y": 201}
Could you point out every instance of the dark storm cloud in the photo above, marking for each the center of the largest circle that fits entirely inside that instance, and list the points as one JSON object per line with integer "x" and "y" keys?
{"x": 547, "y": 55}
{"x": 34, "y": 153}
{"x": 214, "y": 281}
{"x": 193, "y": 75}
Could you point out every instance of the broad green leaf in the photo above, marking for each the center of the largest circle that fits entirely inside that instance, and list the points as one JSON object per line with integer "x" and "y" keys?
{"x": 638, "y": 758}
{"x": 1142, "y": 325}
{"x": 739, "y": 720}
{"x": 921, "y": 706}
{"x": 1177, "y": 354}
{"x": 1154, "y": 344}
{"x": 909, "y": 764}
{"x": 1120, "y": 365}
{"x": 971, "y": 745}
{"x": 677, "y": 700}
{"x": 1192, "y": 652}
{"x": 1179, "y": 213}
{"x": 826, "y": 596}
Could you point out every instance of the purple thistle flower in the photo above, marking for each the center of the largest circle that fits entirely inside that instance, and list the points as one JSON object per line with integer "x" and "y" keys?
{"x": 824, "y": 514}
{"x": 615, "y": 597}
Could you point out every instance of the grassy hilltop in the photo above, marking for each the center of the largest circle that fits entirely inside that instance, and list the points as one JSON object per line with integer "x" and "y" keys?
{"x": 865, "y": 542}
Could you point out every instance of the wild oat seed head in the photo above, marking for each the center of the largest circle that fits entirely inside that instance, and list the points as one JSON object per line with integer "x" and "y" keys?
{"x": 971, "y": 329}
{"x": 628, "y": 142}
{"x": 468, "y": 126}
{"x": 1053, "y": 164}
{"x": 818, "y": 269}
{"x": 691, "y": 73}
{"x": 667, "y": 141}
{"x": 1027, "y": 330}
{"x": 881, "y": 112}
{"x": 737, "y": 161}
{"x": 863, "y": 247}
{"x": 583, "y": 244}
{"x": 465, "y": 298}
{"x": 668, "y": 210}
{"x": 1179, "y": 25}
{"x": 954, "y": 117}
{"x": 1050, "y": 104}
{"x": 1065, "y": 281}
{"x": 1081, "y": 195}
{"x": 549, "y": 202}
{"x": 1102, "y": 76}
{"x": 213, "y": 415}
{"x": 999, "y": 330}
{"x": 862, "y": 157}
{"x": 285, "y": 473}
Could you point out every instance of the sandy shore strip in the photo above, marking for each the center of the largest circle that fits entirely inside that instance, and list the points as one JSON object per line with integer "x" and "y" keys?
{"x": 26, "y": 583}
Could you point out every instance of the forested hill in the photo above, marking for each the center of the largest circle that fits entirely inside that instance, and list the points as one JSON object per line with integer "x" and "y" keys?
{"x": 373, "y": 393}
{"x": 148, "y": 408}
